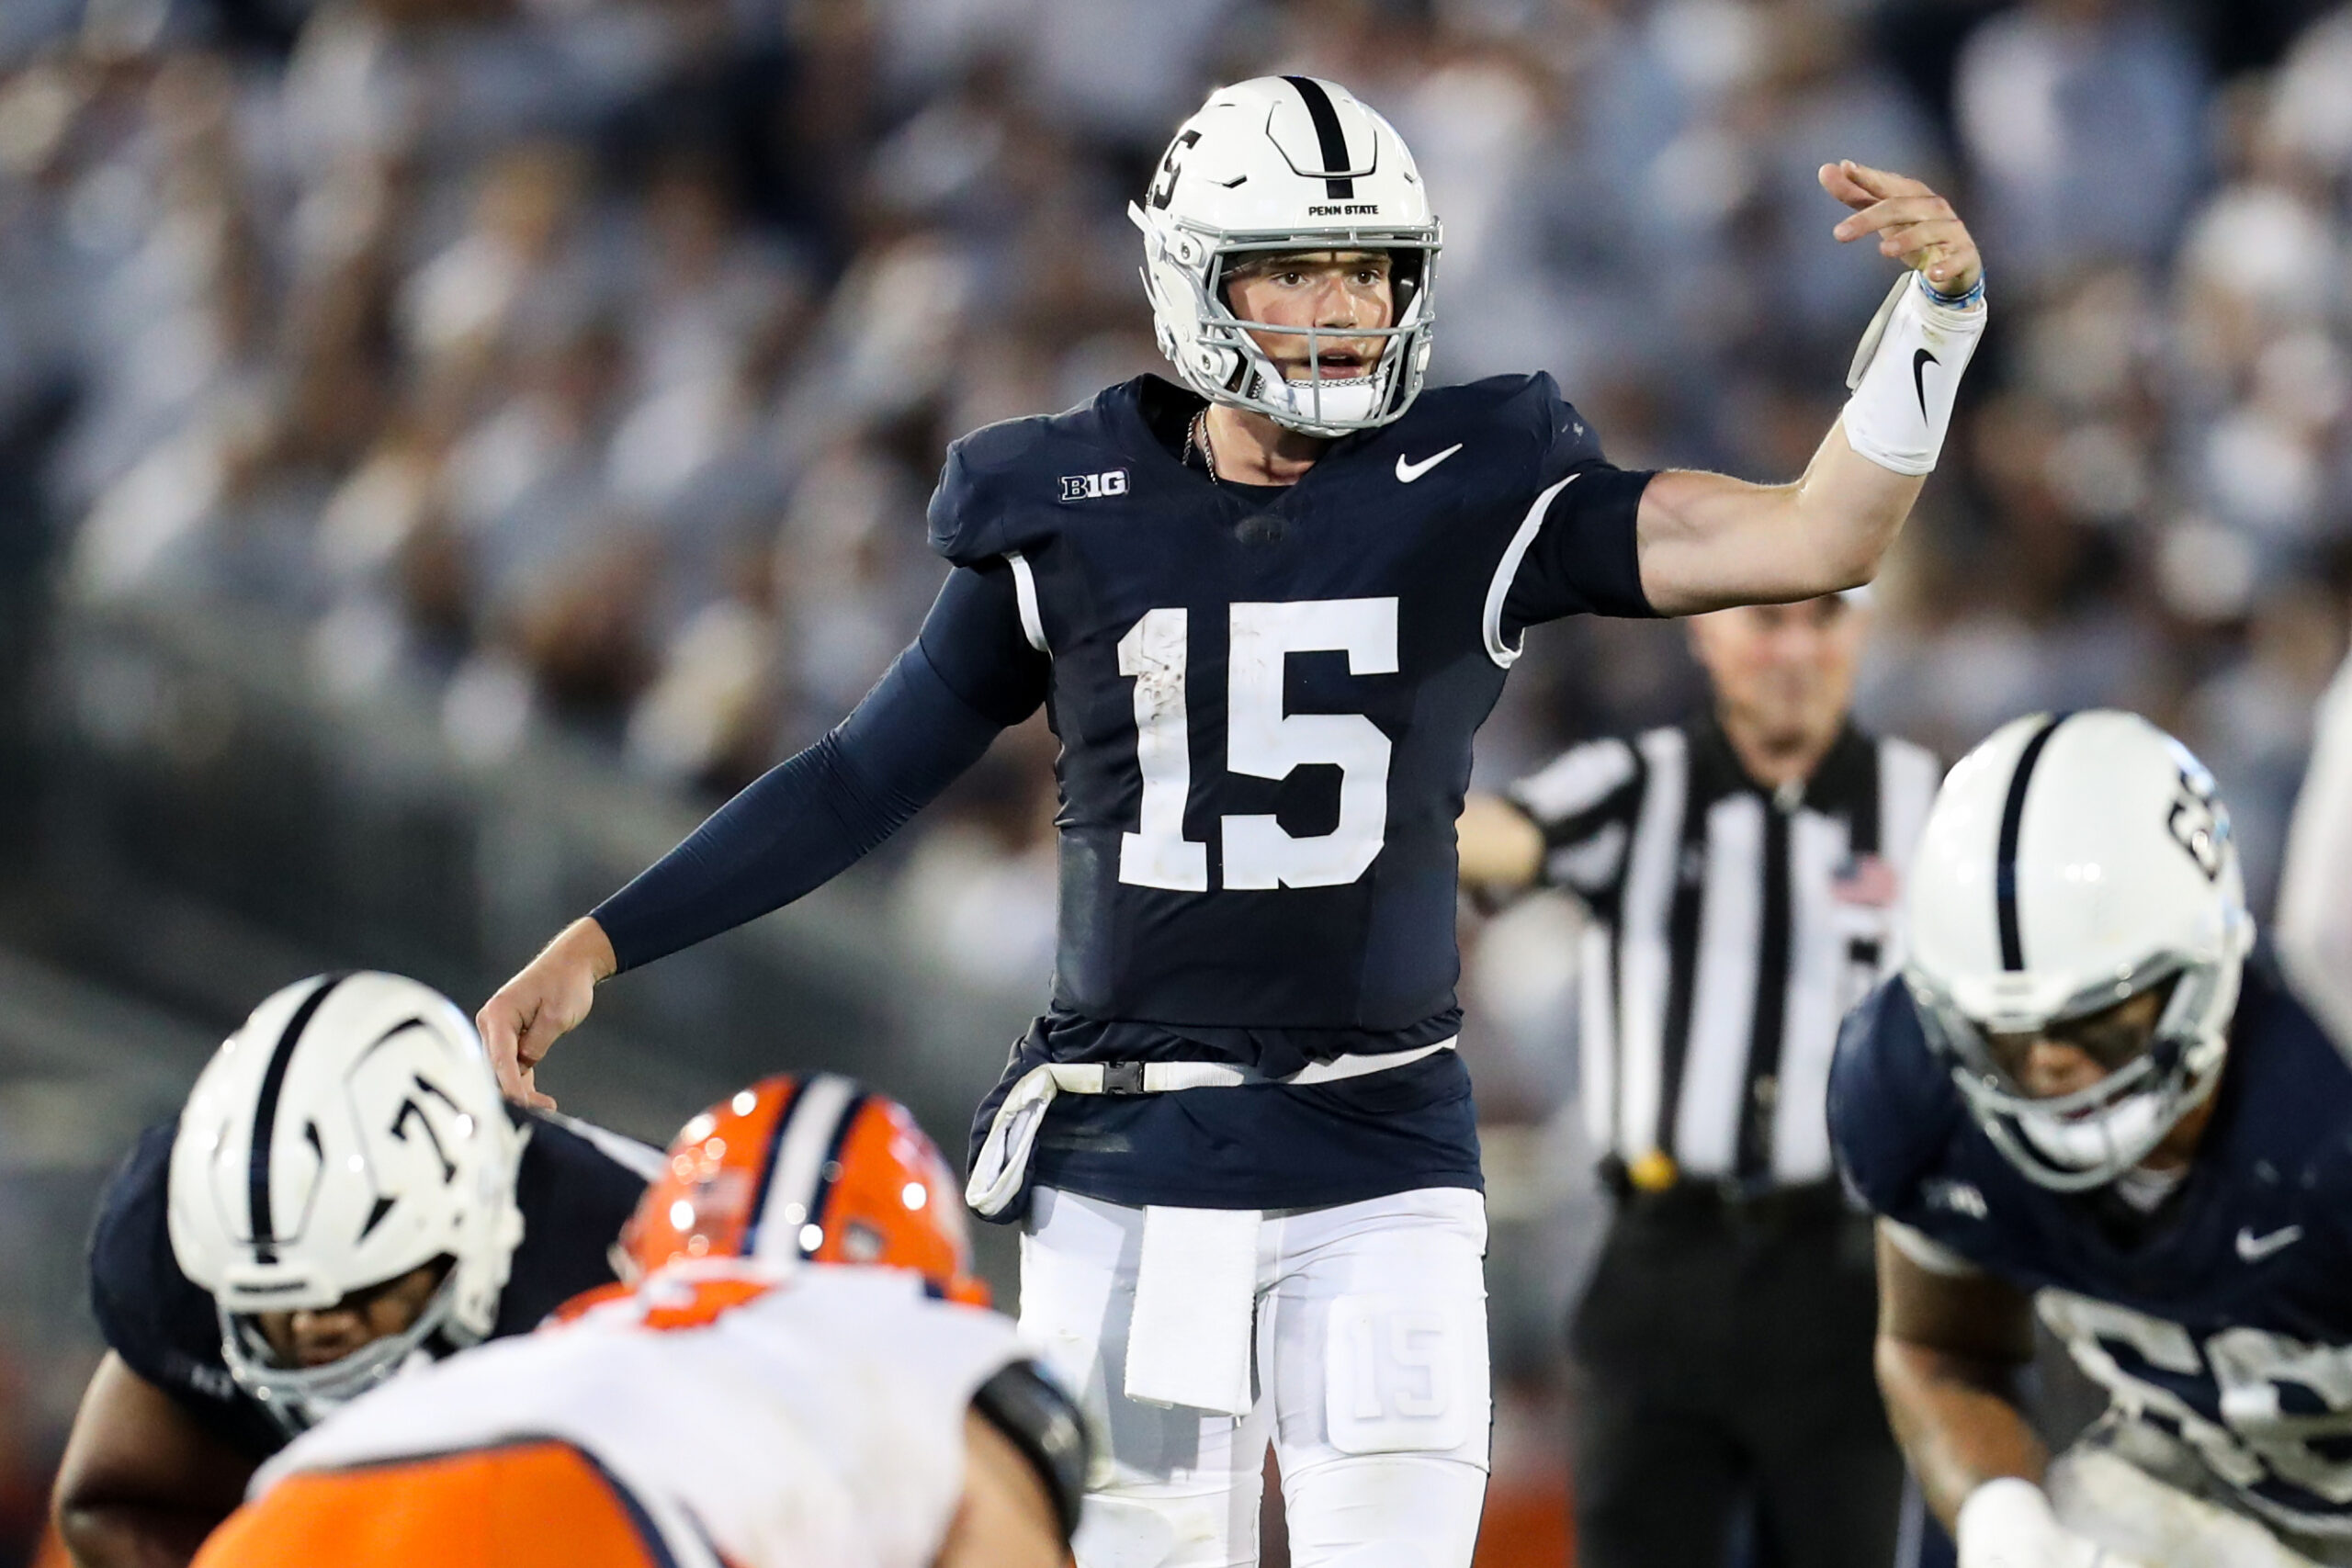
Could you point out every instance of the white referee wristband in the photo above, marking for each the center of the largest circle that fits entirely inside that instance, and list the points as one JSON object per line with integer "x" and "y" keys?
{"x": 1906, "y": 373}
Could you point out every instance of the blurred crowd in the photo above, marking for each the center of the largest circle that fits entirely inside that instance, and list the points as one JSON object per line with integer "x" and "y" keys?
{"x": 585, "y": 363}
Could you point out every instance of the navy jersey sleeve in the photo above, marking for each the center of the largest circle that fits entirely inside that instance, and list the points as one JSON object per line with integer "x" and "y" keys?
{"x": 159, "y": 1321}
{"x": 969, "y": 675}
{"x": 1891, "y": 1103}
{"x": 577, "y": 1188}
{"x": 1583, "y": 559}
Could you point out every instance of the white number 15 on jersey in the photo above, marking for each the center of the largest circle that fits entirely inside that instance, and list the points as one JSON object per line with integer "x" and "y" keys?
{"x": 1263, "y": 741}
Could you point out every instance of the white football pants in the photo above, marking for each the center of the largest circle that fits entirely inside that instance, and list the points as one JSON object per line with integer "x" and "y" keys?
{"x": 1370, "y": 1379}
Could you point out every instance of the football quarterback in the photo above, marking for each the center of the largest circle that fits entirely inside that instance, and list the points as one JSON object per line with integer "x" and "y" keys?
{"x": 345, "y": 1194}
{"x": 2088, "y": 1094}
{"x": 800, "y": 1373}
{"x": 1265, "y": 607}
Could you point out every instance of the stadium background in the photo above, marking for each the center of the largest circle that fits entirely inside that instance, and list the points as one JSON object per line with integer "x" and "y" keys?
{"x": 446, "y": 445}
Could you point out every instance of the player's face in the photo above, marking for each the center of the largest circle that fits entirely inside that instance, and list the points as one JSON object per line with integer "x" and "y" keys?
{"x": 1785, "y": 670}
{"x": 313, "y": 1336}
{"x": 1329, "y": 289}
{"x": 2069, "y": 1057}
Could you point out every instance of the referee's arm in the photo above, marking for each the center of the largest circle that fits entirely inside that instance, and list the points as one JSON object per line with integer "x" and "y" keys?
{"x": 1501, "y": 848}
{"x": 1548, "y": 829}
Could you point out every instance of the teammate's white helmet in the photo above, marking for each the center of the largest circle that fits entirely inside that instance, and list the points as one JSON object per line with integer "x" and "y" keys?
{"x": 349, "y": 1132}
{"x": 2069, "y": 863}
{"x": 1286, "y": 164}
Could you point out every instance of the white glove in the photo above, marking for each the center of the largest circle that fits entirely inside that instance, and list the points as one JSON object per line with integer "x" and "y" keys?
{"x": 2008, "y": 1524}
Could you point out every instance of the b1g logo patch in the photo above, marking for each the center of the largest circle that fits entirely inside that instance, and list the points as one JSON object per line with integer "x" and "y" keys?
{"x": 1094, "y": 487}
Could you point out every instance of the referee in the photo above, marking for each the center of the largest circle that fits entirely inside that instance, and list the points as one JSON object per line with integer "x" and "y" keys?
{"x": 1741, "y": 872}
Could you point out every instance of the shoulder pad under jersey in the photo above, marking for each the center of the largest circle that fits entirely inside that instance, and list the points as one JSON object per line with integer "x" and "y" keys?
{"x": 1555, "y": 438}
{"x": 1001, "y": 484}
{"x": 1891, "y": 1103}
{"x": 577, "y": 1186}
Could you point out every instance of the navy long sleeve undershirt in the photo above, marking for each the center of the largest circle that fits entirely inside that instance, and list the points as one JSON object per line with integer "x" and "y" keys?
{"x": 968, "y": 674}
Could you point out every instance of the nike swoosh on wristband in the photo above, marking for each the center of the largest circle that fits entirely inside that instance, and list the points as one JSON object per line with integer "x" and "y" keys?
{"x": 2254, "y": 1249}
{"x": 1407, "y": 472}
{"x": 1920, "y": 360}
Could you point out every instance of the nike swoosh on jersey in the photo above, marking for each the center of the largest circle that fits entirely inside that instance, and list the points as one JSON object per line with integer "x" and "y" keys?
{"x": 1920, "y": 360}
{"x": 1407, "y": 472}
{"x": 2254, "y": 1248}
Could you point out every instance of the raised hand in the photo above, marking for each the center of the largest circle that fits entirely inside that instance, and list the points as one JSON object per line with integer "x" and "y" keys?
{"x": 545, "y": 1001}
{"x": 1913, "y": 225}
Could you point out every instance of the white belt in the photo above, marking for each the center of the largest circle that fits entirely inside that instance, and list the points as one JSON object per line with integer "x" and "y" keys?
{"x": 1003, "y": 1161}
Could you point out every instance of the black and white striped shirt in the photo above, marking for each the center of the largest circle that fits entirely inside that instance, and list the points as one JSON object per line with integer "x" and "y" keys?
{"x": 1731, "y": 930}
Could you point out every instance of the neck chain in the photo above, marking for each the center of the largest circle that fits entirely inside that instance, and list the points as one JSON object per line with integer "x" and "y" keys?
{"x": 1197, "y": 434}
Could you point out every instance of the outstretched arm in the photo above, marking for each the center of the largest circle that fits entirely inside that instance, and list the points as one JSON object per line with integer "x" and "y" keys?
{"x": 1707, "y": 540}
{"x": 968, "y": 676}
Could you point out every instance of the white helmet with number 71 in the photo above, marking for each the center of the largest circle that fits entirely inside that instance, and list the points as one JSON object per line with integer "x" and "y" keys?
{"x": 2071, "y": 863}
{"x": 1287, "y": 164}
{"x": 350, "y": 1132}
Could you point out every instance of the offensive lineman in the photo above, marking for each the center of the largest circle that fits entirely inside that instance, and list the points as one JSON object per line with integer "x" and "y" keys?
{"x": 746, "y": 1404}
{"x": 2085, "y": 1094}
{"x": 1265, "y": 609}
{"x": 345, "y": 1194}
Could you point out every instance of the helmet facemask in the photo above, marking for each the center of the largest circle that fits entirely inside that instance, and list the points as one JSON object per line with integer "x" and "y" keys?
{"x": 299, "y": 1397}
{"x": 2086, "y": 1139}
{"x": 1319, "y": 405}
{"x": 1225, "y": 363}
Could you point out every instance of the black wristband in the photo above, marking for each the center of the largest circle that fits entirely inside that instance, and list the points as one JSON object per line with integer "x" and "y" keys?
{"x": 1043, "y": 1423}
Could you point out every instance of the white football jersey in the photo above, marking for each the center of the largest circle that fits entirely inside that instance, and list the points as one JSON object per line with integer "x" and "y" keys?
{"x": 781, "y": 1418}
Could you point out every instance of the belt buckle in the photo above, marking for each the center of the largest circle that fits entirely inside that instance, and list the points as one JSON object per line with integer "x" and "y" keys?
{"x": 1123, "y": 1078}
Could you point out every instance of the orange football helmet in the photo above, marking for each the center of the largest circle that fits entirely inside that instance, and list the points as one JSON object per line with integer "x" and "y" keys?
{"x": 816, "y": 1169}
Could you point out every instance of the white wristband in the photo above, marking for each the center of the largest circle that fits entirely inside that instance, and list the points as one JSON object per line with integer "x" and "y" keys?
{"x": 1906, "y": 373}
{"x": 2009, "y": 1523}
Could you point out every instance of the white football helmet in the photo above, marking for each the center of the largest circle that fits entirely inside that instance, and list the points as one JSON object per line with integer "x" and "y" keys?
{"x": 351, "y": 1130}
{"x": 1287, "y": 164}
{"x": 2071, "y": 863}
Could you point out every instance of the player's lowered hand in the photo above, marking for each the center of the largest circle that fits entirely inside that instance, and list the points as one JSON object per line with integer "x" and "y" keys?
{"x": 1913, "y": 225}
{"x": 2009, "y": 1523}
{"x": 547, "y": 999}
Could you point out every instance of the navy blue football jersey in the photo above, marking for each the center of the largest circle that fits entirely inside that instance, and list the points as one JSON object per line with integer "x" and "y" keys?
{"x": 1265, "y": 698}
{"x": 575, "y": 1190}
{"x": 2226, "y": 1316}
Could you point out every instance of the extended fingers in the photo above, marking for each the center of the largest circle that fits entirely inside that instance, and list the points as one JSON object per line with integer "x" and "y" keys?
{"x": 1925, "y": 207}
{"x": 1883, "y": 183}
{"x": 1912, "y": 239}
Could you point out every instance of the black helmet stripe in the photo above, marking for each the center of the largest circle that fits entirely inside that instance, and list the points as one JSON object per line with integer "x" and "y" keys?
{"x": 273, "y": 1082}
{"x": 767, "y": 1166}
{"x": 1333, "y": 140}
{"x": 831, "y": 1170}
{"x": 2004, "y": 867}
